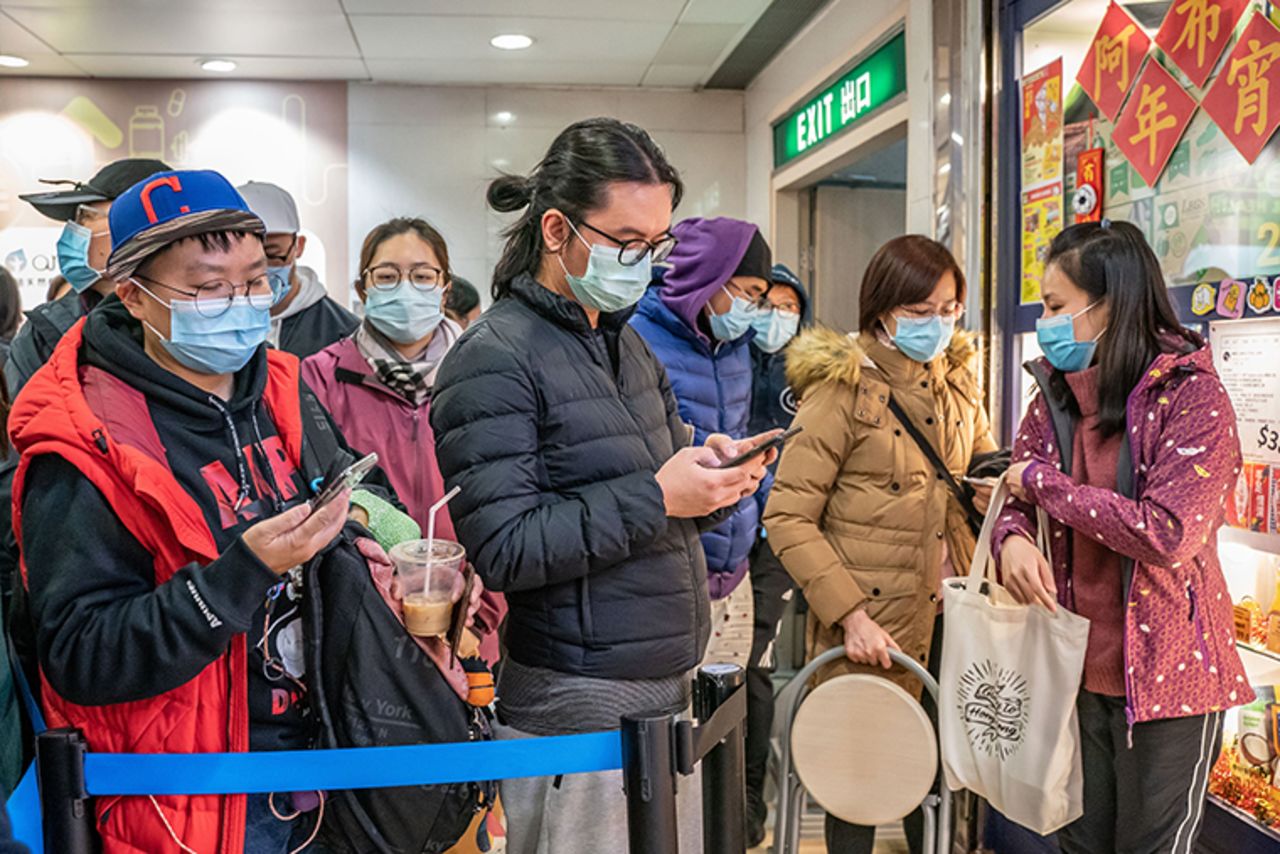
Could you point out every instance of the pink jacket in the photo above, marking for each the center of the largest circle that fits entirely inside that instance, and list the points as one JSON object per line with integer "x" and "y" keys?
{"x": 1179, "y": 638}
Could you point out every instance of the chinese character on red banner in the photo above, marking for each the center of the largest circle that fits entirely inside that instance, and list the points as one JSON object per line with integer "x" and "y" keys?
{"x": 1113, "y": 60}
{"x": 1153, "y": 120}
{"x": 1245, "y": 99}
{"x": 1195, "y": 32}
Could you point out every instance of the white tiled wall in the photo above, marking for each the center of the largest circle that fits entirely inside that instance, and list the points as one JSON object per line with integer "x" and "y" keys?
{"x": 431, "y": 151}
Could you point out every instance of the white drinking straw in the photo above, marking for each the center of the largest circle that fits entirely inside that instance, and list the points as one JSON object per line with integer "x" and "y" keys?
{"x": 431, "y": 533}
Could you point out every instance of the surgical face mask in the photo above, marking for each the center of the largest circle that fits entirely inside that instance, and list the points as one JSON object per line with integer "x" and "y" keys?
{"x": 775, "y": 329}
{"x": 280, "y": 282}
{"x": 1057, "y": 339}
{"x": 735, "y": 322}
{"x": 608, "y": 285}
{"x": 923, "y": 338}
{"x": 73, "y": 256}
{"x": 215, "y": 345}
{"x": 404, "y": 313}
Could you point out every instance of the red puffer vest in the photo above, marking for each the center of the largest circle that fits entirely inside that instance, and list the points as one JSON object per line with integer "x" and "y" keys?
{"x": 99, "y": 425}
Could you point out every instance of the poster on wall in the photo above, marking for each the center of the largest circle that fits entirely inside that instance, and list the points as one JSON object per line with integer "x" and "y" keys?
{"x": 1041, "y": 172}
{"x": 1195, "y": 32}
{"x": 1113, "y": 60}
{"x": 293, "y": 134}
{"x": 1245, "y": 99}
{"x": 1041, "y": 222}
{"x": 1042, "y": 125}
{"x": 1244, "y": 354}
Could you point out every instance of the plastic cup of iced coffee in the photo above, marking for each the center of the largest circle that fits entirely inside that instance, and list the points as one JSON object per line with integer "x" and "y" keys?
{"x": 430, "y": 573}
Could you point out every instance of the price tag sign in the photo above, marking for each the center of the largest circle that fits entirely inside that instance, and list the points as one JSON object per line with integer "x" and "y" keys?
{"x": 1247, "y": 356}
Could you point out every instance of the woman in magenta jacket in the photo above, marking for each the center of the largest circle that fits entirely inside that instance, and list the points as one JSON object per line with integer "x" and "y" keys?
{"x": 377, "y": 383}
{"x": 1131, "y": 449}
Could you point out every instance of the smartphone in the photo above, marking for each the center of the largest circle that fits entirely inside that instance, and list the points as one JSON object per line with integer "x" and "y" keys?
{"x": 458, "y": 620}
{"x": 353, "y": 474}
{"x": 776, "y": 442}
{"x": 981, "y": 481}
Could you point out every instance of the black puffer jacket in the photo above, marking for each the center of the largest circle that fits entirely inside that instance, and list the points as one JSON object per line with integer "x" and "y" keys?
{"x": 554, "y": 431}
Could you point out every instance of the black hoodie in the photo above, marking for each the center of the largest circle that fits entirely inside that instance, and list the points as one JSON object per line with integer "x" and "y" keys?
{"x": 105, "y": 632}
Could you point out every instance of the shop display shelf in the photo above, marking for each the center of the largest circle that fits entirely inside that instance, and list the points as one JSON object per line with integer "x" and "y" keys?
{"x": 1251, "y": 836}
{"x": 1261, "y": 666}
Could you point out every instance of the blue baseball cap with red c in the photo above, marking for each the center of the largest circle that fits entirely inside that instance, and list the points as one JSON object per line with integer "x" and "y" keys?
{"x": 168, "y": 207}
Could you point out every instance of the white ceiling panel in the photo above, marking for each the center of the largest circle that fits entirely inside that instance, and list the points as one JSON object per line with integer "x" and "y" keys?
{"x": 600, "y": 10}
{"x": 247, "y": 67}
{"x": 118, "y": 28}
{"x": 418, "y": 37}
{"x": 524, "y": 73}
{"x": 690, "y": 44}
{"x": 658, "y": 43}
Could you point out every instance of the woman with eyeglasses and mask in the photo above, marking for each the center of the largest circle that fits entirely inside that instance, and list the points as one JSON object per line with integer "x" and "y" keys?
{"x": 582, "y": 493}
{"x": 1131, "y": 448}
{"x": 377, "y": 383}
{"x": 697, "y": 319}
{"x": 858, "y": 515}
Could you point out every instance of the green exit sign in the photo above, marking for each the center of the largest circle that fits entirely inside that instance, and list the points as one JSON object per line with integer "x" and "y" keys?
{"x": 856, "y": 94}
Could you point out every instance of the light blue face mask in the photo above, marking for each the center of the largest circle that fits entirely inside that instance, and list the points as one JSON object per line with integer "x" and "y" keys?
{"x": 215, "y": 345}
{"x": 735, "y": 322}
{"x": 608, "y": 285}
{"x": 775, "y": 329}
{"x": 923, "y": 338}
{"x": 279, "y": 277}
{"x": 73, "y": 256}
{"x": 1057, "y": 339}
{"x": 404, "y": 313}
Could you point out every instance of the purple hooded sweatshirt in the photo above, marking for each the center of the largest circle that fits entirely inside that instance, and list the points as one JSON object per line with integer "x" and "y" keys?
{"x": 708, "y": 252}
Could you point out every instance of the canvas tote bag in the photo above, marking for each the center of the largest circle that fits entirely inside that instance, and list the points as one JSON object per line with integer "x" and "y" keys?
{"x": 1007, "y": 693}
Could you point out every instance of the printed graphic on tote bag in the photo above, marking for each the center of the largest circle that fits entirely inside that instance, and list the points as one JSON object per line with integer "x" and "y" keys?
{"x": 995, "y": 707}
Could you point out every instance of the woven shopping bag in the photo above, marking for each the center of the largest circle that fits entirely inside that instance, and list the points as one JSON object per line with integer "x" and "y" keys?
{"x": 1007, "y": 693}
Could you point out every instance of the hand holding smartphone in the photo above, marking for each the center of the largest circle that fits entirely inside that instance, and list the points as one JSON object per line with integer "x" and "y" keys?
{"x": 763, "y": 448}
{"x": 347, "y": 479}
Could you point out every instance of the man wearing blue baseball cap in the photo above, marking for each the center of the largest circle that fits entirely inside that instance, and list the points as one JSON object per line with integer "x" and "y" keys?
{"x": 163, "y": 515}
{"x": 82, "y": 250}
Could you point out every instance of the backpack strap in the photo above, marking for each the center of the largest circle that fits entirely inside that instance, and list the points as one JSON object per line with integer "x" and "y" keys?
{"x": 322, "y": 453}
{"x": 972, "y": 516}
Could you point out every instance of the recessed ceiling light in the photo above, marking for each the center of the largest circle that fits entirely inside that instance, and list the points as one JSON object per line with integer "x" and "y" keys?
{"x": 511, "y": 41}
{"x": 504, "y": 117}
{"x": 221, "y": 66}
{"x": 9, "y": 61}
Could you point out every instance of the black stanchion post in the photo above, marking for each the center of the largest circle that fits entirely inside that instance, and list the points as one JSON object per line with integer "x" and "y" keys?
{"x": 649, "y": 780}
{"x": 724, "y": 781}
{"x": 67, "y": 809}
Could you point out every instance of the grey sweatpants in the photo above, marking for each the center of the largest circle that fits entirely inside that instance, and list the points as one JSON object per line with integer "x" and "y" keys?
{"x": 587, "y": 814}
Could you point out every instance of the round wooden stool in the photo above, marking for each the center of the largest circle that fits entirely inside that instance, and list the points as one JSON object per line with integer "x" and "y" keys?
{"x": 864, "y": 749}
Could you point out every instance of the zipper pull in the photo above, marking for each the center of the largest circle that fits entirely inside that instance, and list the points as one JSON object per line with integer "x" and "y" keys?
{"x": 100, "y": 439}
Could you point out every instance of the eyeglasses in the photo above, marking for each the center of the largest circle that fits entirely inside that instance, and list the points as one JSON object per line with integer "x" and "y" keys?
{"x": 632, "y": 251}
{"x": 88, "y": 216}
{"x": 387, "y": 277}
{"x": 784, "y": 307}
{"x": 282, "y": 258}
{"x": 213, "y": 298}
{"x": 949, "y": 311}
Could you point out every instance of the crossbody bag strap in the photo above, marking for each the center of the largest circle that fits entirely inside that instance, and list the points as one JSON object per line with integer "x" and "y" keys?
{"x": 972, "y": 516}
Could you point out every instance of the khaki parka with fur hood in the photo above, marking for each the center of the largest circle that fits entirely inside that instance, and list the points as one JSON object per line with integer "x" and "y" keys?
{"x": 857, "y": 515}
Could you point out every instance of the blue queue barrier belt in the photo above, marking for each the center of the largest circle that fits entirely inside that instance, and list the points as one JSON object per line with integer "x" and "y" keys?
{"x": 110, "y": 774}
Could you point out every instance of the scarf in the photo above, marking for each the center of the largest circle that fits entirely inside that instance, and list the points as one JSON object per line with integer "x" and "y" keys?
{"x": 409, "y": 378}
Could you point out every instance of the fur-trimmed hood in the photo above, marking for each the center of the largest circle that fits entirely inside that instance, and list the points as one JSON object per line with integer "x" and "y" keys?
{"x": 822, "y": 354}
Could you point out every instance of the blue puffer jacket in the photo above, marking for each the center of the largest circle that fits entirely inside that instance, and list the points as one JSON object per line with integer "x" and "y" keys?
{"x": 712, "y": 383}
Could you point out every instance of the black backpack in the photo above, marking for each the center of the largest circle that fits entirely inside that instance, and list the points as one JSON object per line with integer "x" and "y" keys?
{"x": 362, "y": 662}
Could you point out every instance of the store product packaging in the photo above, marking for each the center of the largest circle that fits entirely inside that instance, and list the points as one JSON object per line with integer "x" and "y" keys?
{"x": 1007, "y": 694}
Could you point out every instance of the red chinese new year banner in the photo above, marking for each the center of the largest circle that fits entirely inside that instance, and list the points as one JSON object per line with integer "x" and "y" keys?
{"x": 1087, "y": 204}
{"x": 1195, "y": 32}
{"x": 1113, "y": 60}
{"x": 1245, "y": 99}
{"x": 1153, "y": 121}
